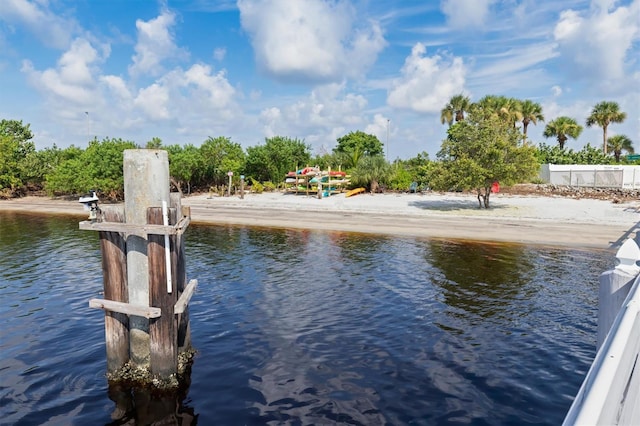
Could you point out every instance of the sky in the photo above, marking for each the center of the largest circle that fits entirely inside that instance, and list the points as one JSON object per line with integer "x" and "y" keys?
{"x": 315, "y": 70}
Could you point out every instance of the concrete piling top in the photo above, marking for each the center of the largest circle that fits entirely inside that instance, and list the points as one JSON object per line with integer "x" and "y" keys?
{"x": 146, "y": 182}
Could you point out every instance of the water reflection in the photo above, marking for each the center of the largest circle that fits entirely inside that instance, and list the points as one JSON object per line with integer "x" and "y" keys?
{"x": 142, "y": 406}
{"x": 308, "y": 327}
{"x": 300, "y": 380}
{"x": 480, "y": 278}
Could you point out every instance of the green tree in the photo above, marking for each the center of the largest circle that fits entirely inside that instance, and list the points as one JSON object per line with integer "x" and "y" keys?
{"x": 401, "y": 176}
{"x": 562, "y": 128}
{"x": 590, "y": 155}
{"x": 185, "y": 163}
{"x": 15, "y": 146}
{"x": 279, "y": 155}
{"x": 353, "y": 146}
{"x": 480, "y": 151}
{"x": 531, "y": 113}
{"x": 220, "y": 155}
{"x": 370, "y": 172}
{"x": 619, "y": 143}
{"x": 456, "y": 108}
{"x": 38, "y": 164}
{"x": 603, "y": 114}
{"x": 420, "y": 168}
{"x": 553, "y": 154}
{"x": 154, "y": 143}
{"x": 98, "y": 167}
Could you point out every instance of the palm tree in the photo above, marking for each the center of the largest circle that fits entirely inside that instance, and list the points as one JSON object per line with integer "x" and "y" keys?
{"x": 456, "y": 108}
{"x": 619, "y": 143}
{"x": 531, "y": 113}
{"x": 562, "y": 128}
{"x": 488, "y": 106}
{"x": 371, "y": 171}
{"x": 510, "y": 110}
{"x": 604, "y": 114}
{"x": 507, "y": 109}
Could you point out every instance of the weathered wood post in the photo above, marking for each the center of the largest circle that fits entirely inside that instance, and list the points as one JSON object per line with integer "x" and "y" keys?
{"x": 163, "y": 331}
{"x": 242, "y": 187}
{"x": 114, "y": 273}
{"x": 146, "y": 295}
{"x": 615, "y": 285}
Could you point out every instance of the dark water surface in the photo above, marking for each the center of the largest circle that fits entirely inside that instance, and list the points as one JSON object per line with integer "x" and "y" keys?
{"x": 303, "y": 327}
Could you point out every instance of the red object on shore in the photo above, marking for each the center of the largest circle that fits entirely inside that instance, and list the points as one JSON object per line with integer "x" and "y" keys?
{"x": 495, "y": 188}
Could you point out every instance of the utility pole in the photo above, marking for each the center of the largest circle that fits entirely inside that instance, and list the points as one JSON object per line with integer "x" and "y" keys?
{"x": 88, "y": 128}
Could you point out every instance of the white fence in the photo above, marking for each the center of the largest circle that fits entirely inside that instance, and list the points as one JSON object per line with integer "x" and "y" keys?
{"x": 594, "y": 176}
{"x": 610, "y": 393}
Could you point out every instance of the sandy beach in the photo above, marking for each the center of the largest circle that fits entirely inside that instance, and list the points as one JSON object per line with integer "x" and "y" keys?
{"x": 553, "y": 221}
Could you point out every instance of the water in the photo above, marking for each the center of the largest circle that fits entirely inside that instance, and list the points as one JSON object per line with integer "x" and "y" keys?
{"x": 303, "y": 327}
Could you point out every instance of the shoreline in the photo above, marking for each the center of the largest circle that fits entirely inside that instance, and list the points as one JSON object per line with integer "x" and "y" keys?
{"x": 549, "y": 221}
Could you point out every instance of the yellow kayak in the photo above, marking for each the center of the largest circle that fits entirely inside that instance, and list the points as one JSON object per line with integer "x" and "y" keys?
{"x": 354, "y": 192}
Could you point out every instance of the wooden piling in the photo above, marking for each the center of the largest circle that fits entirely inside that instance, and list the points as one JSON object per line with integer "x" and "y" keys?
{"x": 146, "y": 319}
{"x": 184, "y": 329}
{"x": 114, "y": 272}
{"x": 162, "y": 330}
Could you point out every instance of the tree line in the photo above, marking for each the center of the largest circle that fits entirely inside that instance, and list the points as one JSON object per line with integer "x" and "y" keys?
{"x": 527, "y": 112}
{"x": 482, "y": 146}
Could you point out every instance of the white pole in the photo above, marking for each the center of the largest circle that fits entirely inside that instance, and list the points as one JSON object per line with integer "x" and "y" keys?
{"x": 167, "y": 249}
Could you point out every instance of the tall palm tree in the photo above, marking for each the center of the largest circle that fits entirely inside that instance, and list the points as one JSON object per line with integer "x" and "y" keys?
{"x": 619, "y": 143}
{"x": 488, "y": 106}
{"x": 604, "y": 114}
{"x": 531, "y": 113}
{"x": 507, "y": 109}
{"x": 562, "y": 128}
{"x": 510, "y": 110}
{"x": 456, "y": 108}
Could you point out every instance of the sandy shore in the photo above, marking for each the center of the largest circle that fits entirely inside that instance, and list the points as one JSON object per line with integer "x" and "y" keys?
{"x": 554, "y": 221}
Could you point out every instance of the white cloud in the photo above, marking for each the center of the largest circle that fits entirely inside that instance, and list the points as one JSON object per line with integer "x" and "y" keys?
{"x": 596, "y": 44}
{"x": 51, "y": 29}
{"x": 321, "y": 117}
{"x": 155, "y": 44}
{"x": 214, "y": 89}
{"x": 154, "y": 100}
{"x": 517, "y": 59}
{"x": 466, "y": 14}
{"x": 427, "y": 83}
{"x": 219, "y": 53}
{"x": 72, "y": 80}
{"x": 310, "y": 40}
{"x": 117, "y": 86}
{"x": 270, "y": 118}
{"x": 380, "y": 127}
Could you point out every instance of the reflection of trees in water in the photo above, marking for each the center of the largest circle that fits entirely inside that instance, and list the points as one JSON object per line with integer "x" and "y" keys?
{"x": 36, "y": 247}
{"x": 299, "y": 319}
{"x": 480, "y": 278}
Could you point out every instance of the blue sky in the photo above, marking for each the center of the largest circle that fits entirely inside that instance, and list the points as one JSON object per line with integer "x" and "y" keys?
{"x": 185, "y": 70}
